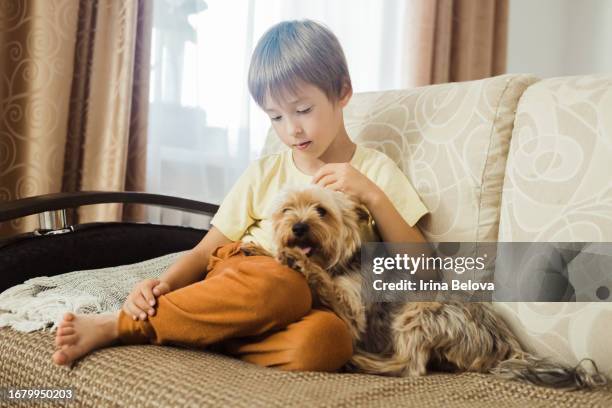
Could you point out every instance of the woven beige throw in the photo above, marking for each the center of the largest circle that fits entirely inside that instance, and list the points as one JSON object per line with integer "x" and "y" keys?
{"x": 40, "y": 302}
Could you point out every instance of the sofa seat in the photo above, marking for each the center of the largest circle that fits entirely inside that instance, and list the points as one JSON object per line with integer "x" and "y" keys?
{"x": 155, "y": 376}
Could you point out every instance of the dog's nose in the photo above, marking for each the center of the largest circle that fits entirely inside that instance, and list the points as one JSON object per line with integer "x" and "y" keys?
{"x": 299, "y": 229}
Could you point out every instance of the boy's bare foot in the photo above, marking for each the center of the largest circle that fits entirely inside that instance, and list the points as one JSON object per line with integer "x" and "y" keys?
{"x": 78, "y": 335}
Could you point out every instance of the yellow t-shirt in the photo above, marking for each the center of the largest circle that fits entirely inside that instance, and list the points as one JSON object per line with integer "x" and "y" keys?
{"x": 244, "y": 213}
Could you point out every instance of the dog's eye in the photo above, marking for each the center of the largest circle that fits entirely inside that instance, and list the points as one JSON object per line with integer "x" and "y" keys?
{"x": 322, "y": 211}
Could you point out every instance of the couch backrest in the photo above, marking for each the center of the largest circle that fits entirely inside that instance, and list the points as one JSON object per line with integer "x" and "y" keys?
{"x": 451, "y": 140}
{"x": 558, "y": 183}
{"x": 558, "y": 188}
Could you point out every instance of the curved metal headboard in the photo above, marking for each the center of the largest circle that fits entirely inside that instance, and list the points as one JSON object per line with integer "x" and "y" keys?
{"x": 59, "y": 201}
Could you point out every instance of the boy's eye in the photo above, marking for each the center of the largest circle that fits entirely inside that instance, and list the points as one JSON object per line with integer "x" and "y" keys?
{"x": 276, "y": 118}
{"x": 305, "y": 110}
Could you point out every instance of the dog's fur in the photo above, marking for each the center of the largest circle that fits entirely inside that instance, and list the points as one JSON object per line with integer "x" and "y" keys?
{"x": 318, "y": 232}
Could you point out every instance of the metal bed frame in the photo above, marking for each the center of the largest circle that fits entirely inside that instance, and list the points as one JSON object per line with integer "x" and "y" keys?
{"x": 57, "y": 247}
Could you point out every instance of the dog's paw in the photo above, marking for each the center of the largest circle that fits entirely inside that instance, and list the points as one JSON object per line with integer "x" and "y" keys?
{"x": 293, "y": 258}
{"x": 251, "y": 249}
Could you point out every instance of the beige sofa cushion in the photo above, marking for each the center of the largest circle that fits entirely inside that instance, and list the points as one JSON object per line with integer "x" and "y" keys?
{"x": 451, "y": 140}
{"x": 558, "y": 187}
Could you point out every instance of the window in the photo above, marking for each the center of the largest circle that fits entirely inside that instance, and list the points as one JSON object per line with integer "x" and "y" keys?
{"x": 204, "y": 127}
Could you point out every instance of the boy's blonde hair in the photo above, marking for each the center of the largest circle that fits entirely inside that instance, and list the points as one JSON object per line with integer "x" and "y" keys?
{"x": 293, "y": 51}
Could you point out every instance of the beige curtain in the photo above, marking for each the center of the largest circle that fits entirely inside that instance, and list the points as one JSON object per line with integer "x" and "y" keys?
{"x": 73, "y": 100}
{"x": 454, "y": 40}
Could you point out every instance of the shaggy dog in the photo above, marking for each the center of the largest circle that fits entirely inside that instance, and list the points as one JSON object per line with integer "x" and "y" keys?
{"x": 319, "y": 232}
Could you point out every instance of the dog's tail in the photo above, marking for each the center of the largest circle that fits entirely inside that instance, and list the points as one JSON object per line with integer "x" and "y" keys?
{"x": 370, "y": 363}
{"x": 521, "y": 366}
{"x": 542, "y": 372}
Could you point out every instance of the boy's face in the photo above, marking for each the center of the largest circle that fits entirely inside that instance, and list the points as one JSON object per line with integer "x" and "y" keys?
{"x": 307, "y": 122}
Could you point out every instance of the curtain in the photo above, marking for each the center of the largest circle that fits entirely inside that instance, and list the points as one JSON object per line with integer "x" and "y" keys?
{"x": 454, "y": 40}
{"x": 73, "y": 101}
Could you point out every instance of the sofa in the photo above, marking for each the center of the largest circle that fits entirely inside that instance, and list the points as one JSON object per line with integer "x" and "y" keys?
{"x": 509, "y": 159}
{"x": 504, "y": 159}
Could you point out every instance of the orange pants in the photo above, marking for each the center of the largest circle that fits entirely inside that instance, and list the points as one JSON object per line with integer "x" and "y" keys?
{"x": 250, "y": 307}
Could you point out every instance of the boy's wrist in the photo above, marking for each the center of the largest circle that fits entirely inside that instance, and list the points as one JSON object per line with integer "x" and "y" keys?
{"x": 167, "y": 284}
{"x": 372, "y": 197}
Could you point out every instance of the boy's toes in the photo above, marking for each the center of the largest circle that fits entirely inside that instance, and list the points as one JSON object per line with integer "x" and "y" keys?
{"x": 65, "y": 356}
{"x": 65, "y": 340}
{"x": 62, "y": 331}
{"x": 65, "y": 323}
{"x": 59, "y": 357}
{"x": 69, "y": 316}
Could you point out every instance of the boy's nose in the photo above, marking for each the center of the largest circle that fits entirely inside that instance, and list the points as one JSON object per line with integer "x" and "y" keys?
{"x": 294, "y": 129}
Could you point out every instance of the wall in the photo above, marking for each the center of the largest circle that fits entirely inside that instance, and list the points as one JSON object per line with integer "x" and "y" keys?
{"x": 560, "y": 37}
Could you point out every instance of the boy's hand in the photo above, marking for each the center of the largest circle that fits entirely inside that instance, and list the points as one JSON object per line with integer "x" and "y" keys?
{"x": 347, "y": 179}
{"x": 142, "y": 299}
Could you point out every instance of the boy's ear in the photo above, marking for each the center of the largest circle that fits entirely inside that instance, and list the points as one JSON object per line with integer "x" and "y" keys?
{"x": 347, "y": 92}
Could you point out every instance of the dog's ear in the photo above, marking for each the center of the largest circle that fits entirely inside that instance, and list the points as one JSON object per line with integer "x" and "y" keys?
{"x": 363, "y": 215}
{"x": 280, "y": 200}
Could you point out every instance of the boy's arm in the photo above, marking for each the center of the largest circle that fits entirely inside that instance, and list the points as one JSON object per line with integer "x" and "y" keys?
{"x": 191, "y": 267}
{"x": 393, "y": 228}
{"x": 390, "y": 224}
{"x": 233, "y": 217}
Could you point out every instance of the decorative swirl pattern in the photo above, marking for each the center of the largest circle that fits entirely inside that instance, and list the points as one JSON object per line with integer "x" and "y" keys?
{"x": 5, "y": 194}
{"x": 558, "y": 188}
{"x": 15, "y": 50}
{"x": 41, "y": 114}
{"x": 30, "y": 71}
{"x": 42, "y": 41}
{"x": 14, "y": 113}
{"x": 451, "y": 140}
{"x": 26, "y": 186}
{"x": 72, "y": 88}
{"x": 10, "y": 10}
{"x": 6, "y": 151}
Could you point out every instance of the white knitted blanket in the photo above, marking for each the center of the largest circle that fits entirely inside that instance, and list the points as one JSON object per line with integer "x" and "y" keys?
{"x": 41, "y": 302}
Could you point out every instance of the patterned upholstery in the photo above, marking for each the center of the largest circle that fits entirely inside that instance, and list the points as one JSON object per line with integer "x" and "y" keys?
{"x": 558, "y": 187}
{"x": 453, "y": 141}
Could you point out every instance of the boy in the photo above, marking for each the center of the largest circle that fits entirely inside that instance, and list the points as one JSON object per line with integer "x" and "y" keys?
{"x": 253, "y": 307}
